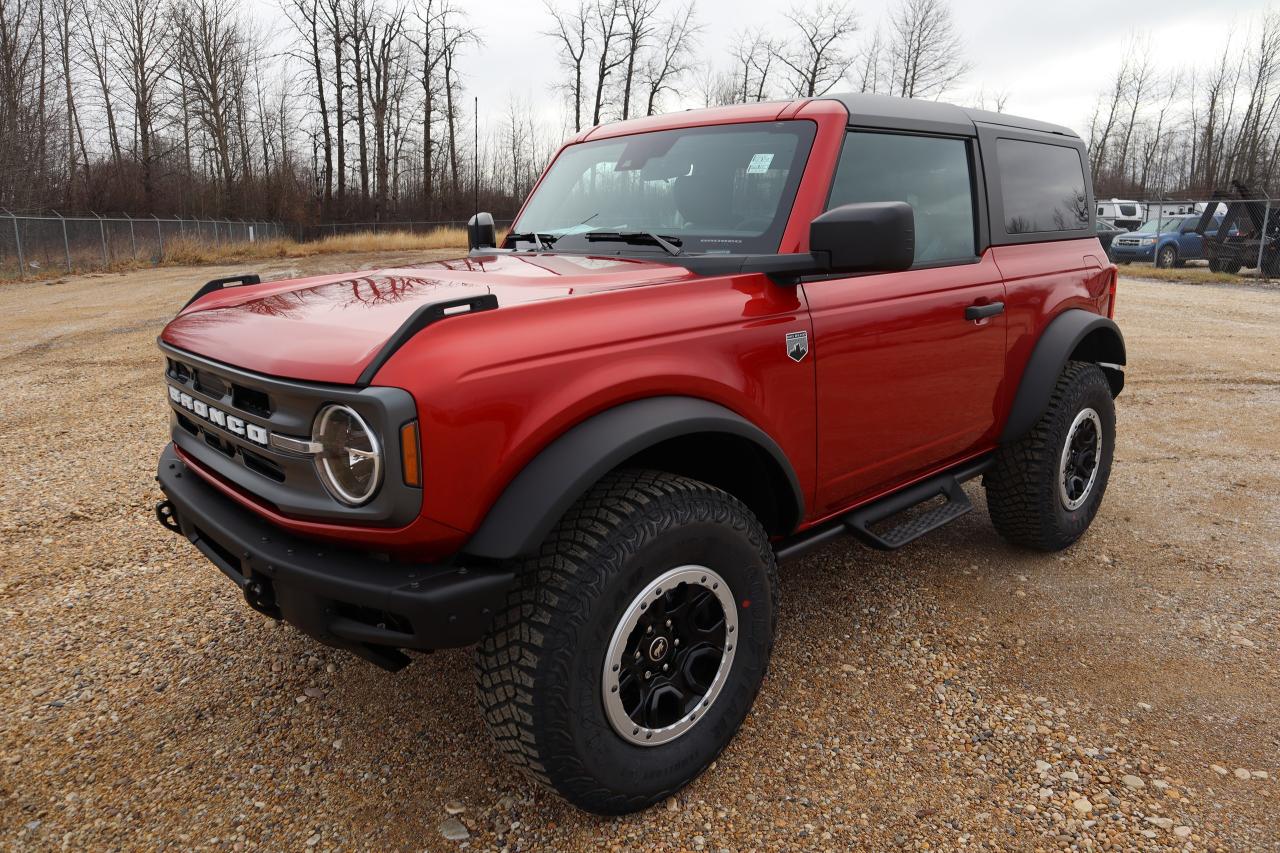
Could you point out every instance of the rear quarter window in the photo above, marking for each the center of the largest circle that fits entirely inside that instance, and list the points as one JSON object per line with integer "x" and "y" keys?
{"x": 1042, "y": 187}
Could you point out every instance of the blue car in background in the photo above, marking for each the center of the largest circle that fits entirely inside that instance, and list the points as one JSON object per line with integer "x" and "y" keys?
{"x": 1168, "y": 241}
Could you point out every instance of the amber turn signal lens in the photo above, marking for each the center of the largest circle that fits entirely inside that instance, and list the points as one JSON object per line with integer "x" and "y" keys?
{"x": 410, "y": 454}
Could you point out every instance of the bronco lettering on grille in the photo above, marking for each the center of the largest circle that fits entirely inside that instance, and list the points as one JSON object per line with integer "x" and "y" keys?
{"x": 219, "y": 418}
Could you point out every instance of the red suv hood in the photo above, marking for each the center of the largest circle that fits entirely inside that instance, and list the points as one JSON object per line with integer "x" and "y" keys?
{"x": 328, "y": 328}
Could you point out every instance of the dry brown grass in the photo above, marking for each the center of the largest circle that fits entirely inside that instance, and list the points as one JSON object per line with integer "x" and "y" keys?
{"x": 1185, "y": 275}
{"x": 189, "y": 252}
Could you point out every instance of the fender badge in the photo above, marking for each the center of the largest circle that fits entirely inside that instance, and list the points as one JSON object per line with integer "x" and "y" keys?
{"x": 797, "y": 345}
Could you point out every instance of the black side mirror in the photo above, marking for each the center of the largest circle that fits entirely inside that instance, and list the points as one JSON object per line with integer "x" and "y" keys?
{"x": 481, "y": 233}
{"x": 874, "y": 236}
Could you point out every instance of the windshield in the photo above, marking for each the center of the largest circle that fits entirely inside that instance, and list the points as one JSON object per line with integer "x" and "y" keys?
{"x": 1157, "y": 226}
{"x": 726, "y": 188}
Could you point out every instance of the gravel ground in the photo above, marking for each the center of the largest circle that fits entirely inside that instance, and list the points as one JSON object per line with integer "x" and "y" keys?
{"x": 1122, "y": 695}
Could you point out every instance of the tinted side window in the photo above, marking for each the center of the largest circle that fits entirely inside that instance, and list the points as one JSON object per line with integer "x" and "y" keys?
{"x": 1042, "y": 187}
{"x": 929, "y": 173}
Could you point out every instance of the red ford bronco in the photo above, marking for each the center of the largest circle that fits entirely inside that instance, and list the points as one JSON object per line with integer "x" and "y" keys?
{"x": 710, "y": 341}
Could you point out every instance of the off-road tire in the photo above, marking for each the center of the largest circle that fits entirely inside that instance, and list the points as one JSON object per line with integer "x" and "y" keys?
{"x": 1022, "y": 487}
{"x": 539, "y": 670}
{"x": 1166, "y": 257}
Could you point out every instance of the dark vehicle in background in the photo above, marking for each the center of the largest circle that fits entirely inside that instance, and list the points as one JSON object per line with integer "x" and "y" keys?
{"x": 1169, "y": 242}
{"x": 1106, "y": 233}
{"x": 1250, "y": 236}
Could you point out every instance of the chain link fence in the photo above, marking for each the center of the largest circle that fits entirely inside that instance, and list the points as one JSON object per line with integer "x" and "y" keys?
{"x": 1236, "y": 236}
{"x": 34, "y": 244}
{"x": 412, "y": 226}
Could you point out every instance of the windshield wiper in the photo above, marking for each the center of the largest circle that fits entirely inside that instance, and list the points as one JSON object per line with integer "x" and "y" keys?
{"x": 671, "y": 245}
{"x": 542, "y": 241}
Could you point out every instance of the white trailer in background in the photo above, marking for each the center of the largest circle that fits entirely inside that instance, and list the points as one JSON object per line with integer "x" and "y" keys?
{"x": 1122, "y": 213}
{"x": 1174, "y": 207}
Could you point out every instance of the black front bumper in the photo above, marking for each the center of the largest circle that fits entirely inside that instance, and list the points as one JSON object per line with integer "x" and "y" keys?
{"x": 348, "y": 599}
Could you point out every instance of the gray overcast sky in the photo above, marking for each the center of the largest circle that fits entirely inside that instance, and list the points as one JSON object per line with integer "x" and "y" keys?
{"x": 1052, "y": 58}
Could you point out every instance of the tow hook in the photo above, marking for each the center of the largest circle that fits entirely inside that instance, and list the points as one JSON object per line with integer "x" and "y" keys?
{"x": 262, "y": 598}
{"x": 167, "y": 515}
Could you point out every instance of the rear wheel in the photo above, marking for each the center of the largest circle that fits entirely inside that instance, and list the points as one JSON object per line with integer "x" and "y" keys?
{"x": 634, "y": 643}
{"x": 1046, "y": 487}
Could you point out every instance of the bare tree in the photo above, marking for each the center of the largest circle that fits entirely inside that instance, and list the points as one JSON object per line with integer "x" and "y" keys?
{"x": 65, "y": 15}
{"x": 868, "y": 72}
{"x": 754, "y": 55}
{"x": 1137, "y": 86}
{"x": 359, "y": 18}
{"x": 1106, "y": 116}
{"x": 817, "y": 55}
{"x": 455, "y": 35}
{"x": 605, "y": 24}
{"x": 306, "y": 17}
{"x": 1252, "y": 150}
{"x": 385, "y": 79}
{"x": 430, "y": 40}
{"x": 96, "y": 49}
{"x": 141, "y": 41}
{"x": 211, "y": 46}
{"x": 572, "y": 41}
{"x": 715, "y": 88}
{"x": 334, "y": 18}
{"x": 639, "y": 25}
{"x": 926, "y": 54}
{"x": 994, "y": 101}
{"x": 672, "y": 56}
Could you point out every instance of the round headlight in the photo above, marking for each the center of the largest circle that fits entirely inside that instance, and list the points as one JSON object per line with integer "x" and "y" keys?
{"x": 350, "y": 460}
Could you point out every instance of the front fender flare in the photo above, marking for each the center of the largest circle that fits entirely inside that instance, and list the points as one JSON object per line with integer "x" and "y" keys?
{"x": 1075, "y": 333}
{"x": 535, "y": 500}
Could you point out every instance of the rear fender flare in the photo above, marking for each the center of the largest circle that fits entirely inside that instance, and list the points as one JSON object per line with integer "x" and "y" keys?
{"x": 1073, "y": 334}
{"x": 535, "y": 500}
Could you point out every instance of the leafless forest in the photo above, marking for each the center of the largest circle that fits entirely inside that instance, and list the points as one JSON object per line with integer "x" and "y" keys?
{"x": 1200, "y": 126}
{"x": 362, "y": 109}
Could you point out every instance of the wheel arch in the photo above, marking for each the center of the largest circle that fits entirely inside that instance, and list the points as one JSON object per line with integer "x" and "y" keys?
{"x": 681, "y": 435}
{"x": 1074, "y": 335}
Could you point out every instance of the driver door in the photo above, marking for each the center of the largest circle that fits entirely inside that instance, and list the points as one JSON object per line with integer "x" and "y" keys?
{"x": 909, "y": 364}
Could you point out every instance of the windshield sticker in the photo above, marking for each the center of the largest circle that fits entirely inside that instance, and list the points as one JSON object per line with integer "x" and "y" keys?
{"x": 759, "y": 164}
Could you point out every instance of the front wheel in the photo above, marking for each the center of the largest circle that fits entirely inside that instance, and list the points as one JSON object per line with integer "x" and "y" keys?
{"x": 1045, "y": 488}
{"x": 1167, "y": 257}
{"x": 634, "y": 643}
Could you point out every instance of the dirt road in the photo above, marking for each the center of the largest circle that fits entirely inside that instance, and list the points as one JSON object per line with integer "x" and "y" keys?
{"x": 955, "y": 694}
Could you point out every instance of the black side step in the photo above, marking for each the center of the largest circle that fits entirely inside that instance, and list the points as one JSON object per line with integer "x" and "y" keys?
{"x": 957, "y": 504}
{"x": 859, "y": 522}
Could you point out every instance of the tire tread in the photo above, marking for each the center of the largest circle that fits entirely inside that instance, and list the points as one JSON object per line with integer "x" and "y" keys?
{"x": 553, "y": 596}
{"x": 1021, "y": 486}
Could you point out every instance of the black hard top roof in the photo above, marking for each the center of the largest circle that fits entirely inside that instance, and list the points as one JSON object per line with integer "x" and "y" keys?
{"x": 931, "y": 116}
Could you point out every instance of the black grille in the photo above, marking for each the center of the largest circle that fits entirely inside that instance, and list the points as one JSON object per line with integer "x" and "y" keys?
{"x": 251, "y": 400}
{"x": 207, "y": 429}
{"x": 207, "y": 383}
{"x": 262, "y": 465}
